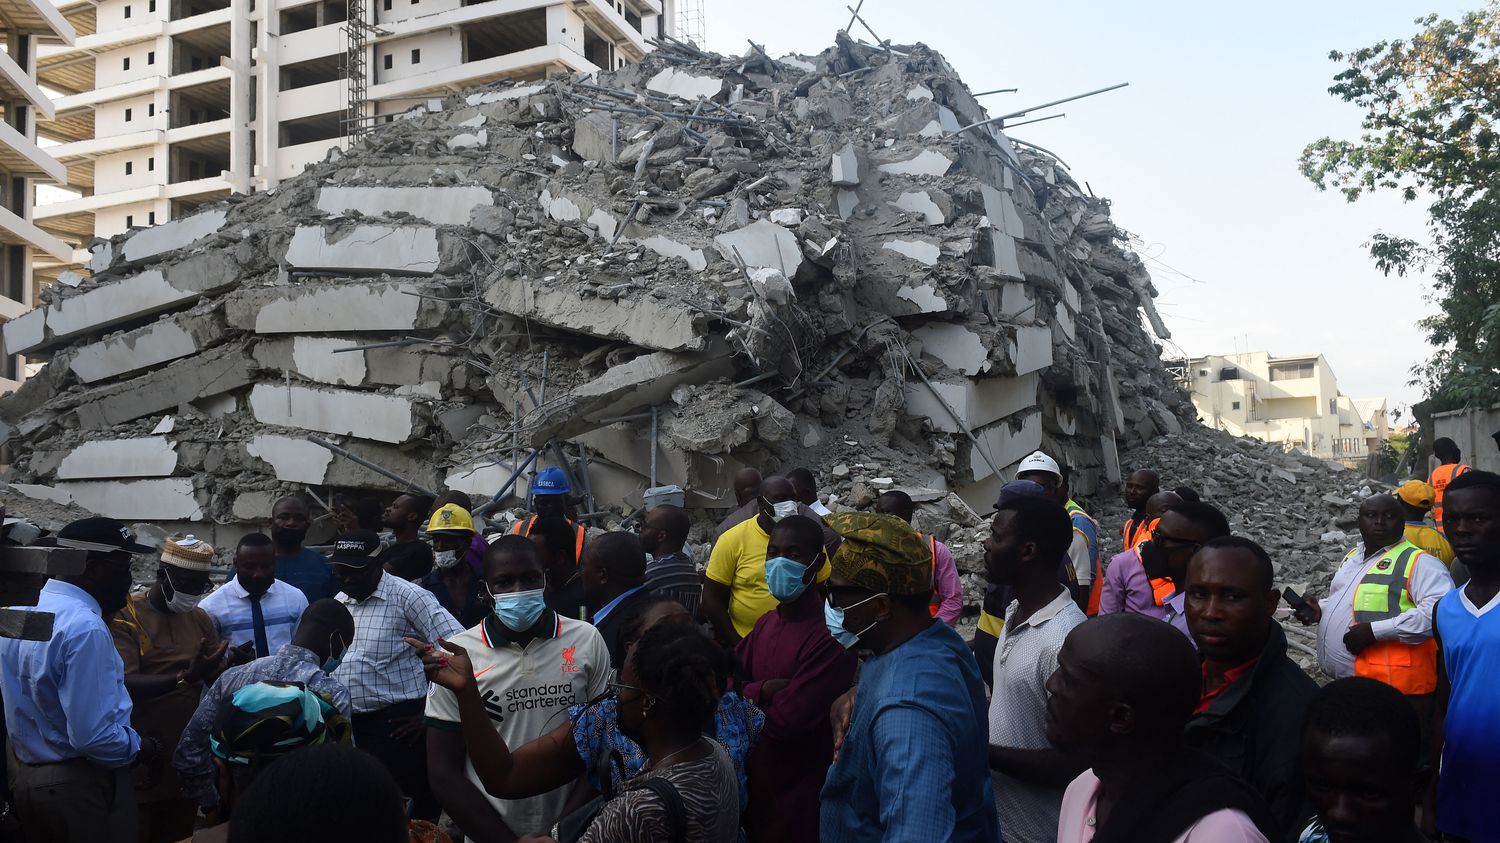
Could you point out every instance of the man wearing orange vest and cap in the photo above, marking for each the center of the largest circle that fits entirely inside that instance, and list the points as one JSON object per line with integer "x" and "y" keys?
{"x": 1447, "y": 452}
{"x": 549, "y": 496}
{"x": 1376, "y": 620}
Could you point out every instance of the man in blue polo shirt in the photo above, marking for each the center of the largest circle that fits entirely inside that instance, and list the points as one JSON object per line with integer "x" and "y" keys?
{"x": 305, "y": 569}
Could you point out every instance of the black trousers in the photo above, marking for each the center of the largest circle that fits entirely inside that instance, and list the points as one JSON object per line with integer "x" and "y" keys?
{"x": 406, "y": 759}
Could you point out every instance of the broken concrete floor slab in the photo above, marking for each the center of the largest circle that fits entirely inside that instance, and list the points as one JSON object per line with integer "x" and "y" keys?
{"x": 147, "y": 456}
{"x": 173, "y": 236}
{"x": 645, "y": 321}
{"x": 333, "y": 308}
{"x": 185, "y": 381}
{"x": 437, "y": 205}
{"x": 143, "y": 348}
{"x": 762, "y": 243}
{"x": 977, "y": 402}
{"x": 678, "y": 83}
{"x": 367, "y": 415}
{"x": 169, "y": 499}
{"x": 365, "y": 249}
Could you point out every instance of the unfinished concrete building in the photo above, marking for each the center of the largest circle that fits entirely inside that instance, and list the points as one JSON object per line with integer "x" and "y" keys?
{"x": 169, "y": 105}
{"x": 26, "y": 27}
{"x": 653, "y": 276}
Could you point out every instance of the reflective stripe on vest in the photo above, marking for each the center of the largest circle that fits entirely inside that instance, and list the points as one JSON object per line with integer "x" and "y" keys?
{"x": 1441, "y": 477}
{"x": 935, "y": 603}
{"x": 1382, "y": 594}
{"x": 524, "y": 530}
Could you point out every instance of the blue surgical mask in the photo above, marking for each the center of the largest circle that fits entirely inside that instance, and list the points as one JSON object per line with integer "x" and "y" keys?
{"x": 784, "y": 579}
{"x": 519, "y": 610}
{"x": 332, "y": 664}
{"x": 833, "y": 617}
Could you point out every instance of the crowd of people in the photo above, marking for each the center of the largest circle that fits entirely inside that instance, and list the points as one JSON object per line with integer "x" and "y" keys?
{"x": 804, "y": 682}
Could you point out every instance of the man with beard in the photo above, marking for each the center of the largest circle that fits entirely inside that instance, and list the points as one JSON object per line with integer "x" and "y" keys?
{"x": 296, "y": 565}
{"x": 65, "y": 702}
{"x": 255, "y": 611}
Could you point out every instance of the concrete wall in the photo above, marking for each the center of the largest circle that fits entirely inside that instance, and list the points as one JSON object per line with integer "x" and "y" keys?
{"x": 1471, "y": 430}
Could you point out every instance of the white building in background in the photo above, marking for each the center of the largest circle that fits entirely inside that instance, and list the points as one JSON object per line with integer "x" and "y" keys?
{"x": 170, "y": 104}
{"x": 28, "y": 27}
{"x": 1292, "y": 401}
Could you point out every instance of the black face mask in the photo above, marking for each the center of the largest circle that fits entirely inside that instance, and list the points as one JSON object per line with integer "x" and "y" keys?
{"x": 288, "y": 536}
{"x": 256, "y": 585}
{"x": 1154, "y": 560}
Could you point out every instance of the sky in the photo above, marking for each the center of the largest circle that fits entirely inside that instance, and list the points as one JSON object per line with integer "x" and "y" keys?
{"x": 1199, "y": 154}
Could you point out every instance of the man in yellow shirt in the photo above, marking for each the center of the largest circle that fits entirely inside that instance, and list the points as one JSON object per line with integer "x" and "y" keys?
{"x": 1417, "y": 499}
{"x": 734, "y": 591}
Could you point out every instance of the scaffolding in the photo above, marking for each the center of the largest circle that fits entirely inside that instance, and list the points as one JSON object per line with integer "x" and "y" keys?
{"x": 358, "y": 33}
{"x": 690, "y": 22}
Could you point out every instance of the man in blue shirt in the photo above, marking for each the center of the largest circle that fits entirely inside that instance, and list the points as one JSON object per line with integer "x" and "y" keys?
{"x": 297, "y": 566}
{"x": 913, "y": 765}
{"x": 613, "y": 571}
{"x": 65, "y": 703}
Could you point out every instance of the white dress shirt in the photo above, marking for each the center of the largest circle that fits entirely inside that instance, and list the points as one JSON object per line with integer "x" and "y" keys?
{"x": 380, "y": 669}
{"x": 281, "y": 608}
{"x": 1429, "y": 582}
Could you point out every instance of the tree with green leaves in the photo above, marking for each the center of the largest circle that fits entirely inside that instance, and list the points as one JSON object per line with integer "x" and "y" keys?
{"x": 1431, "y": 104}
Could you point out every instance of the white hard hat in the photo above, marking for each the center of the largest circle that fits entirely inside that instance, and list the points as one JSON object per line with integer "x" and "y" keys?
{"x": 1039, "y": 461}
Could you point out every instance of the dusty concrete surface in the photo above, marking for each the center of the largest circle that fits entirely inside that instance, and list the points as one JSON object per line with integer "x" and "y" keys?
{"x": 776, "y": 256}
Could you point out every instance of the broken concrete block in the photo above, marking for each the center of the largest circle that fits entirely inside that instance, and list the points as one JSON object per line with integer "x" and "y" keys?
{"x": 562, "y": 208}
{"x": 367, "y": 415}
{"x": 920, "y": 251}
{"x": 977, "y": 402}
{"x": 594, "y": 137}
{"x": 25, "y": 332}
{"x": 437, "y": 205}
{"x": 1031, "y": 350}
{"x": 314, "y": 358}
{"x": 487, "y": 97}
{"x": 169, "y": 499}
{"x": 645, "y": 321}
{"x": 332, "y": 308}
{"x": 467, "y": 140}
{"x": 787, "y": 216}
{"x": 480, "y": 480}
{"x": 1006, "y": 442}
{"x": 672, "y": 82}
{"x": 668, "y": 248}
{"x": 844, "y": 171}
{"x": 171, "y": 236}
{"x": 926, "y": 163}
{"x": 398, "y": 250}
{"x": 205, "y": 375}
{"x": 762, "y": 243}
{"x": 1003, "y": 256}
{"x": 629, "y": 447}
{"x": 921, "y": 203}
{"x": 848, "y": 202}
{"x": 923, "y": 297}
{"x": 254, "y": 507}
{"x": 146, "y": 347}
{"x": 772, "y": 285}
{"x": 1000, "y": 210}
{"x": 959, "y": 348}
{"x": 148, "y": 456}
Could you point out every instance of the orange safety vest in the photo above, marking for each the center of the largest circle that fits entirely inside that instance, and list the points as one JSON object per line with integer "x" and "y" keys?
{"x": 1096, "y": 588}
{"x": 1162, "y": 588}
{"x": 1384, "y": 593}
{"x": 936, "y": 602}
{"x": 578, "y": 529}
{"x": 1441, "y": 477}
{"x": 1136, "y": 532}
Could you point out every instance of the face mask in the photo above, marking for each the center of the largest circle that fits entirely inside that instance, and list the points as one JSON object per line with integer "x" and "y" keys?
{"x": 256, "y": 585}
{"x": 288, "y": 536}
{"x": 784, "y": 579}
{"x": 332, "y": 663}
{"x": 445, "y": 558}
{"x": 519, "y": 610}
{"x": 182, "y": 603}
{"x": 833, "y": 617}
{"x": 782, "y": 510}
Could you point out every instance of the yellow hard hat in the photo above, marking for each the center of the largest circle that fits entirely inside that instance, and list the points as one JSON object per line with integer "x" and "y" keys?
{"x": 452, "y": 518}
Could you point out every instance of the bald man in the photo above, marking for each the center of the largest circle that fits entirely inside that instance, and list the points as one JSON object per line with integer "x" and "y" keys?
{"x": 1124, "y": 689}
{"x": 1139, "y": 487}
{"x": 613, "y": 571}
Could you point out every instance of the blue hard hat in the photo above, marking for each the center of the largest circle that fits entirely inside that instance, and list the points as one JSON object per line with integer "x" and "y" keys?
{"x": 551, "y": 481}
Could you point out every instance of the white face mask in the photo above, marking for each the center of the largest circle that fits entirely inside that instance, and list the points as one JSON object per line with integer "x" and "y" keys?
{"x": 182, "y": 603}
{"x": 445, "y": 558}
{"x": 784, "y": 509}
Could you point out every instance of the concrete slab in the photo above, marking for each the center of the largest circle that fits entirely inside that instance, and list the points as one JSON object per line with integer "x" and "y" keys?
{"x": 203, "y": 376}
{"x": 644, "y": 321}
{"x": 928, "y": 162}
{"x": 1032, "y": 348}
{"x": 594, "y": 137}
{"x": 398, "y": 250}
{"x": 168, "y": 499}
{"x": 920, "y": 251}
{"x": 844, "y": 170}
{"x": 480, "y": 480}
{"x": 629, "y": 447}
{"x": 148, "y": 456}
{"x": 367, "y": 415}
{"x": 920, "y": 92}
{"x": 1003, "y": 255}
{"x": 762, "y": 243}
{"x": 27, "y": 331}
{"x": 669, "y": 248}
{"x": 487, "y": 97}
{"x": 1000, "y": 210}
{"x": 924, "y": 297}
{"x": 676, "y": 83}
{"x": 143, "y": 348}
{"x": 605, "y": 223}
{"x": 43, "y": 493}
{"x": 1006, "y": 441}
{"x": 562, "y": 207}
{"x": 468, "y": 140}
{"x": 314, "y": 358}
{"x": 920, "y": 203}
{"x": 292, "y": 460}
{"x": 254, "y": 507}
{"x": 956, "y": 346}
{"x": 848, "y": 202}
{"x": 438, "y": 205}
{"x": 171, "y": 236}
{"x": 1017, "y": 301}
{"x": 978, "y": 402}
{"x": 332, "y": 308}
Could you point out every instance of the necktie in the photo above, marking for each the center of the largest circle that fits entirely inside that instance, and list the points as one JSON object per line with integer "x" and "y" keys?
{"x": 262, "y": 648}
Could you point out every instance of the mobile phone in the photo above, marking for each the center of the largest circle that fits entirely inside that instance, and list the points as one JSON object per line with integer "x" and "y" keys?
{"x": 1301, "y": 609}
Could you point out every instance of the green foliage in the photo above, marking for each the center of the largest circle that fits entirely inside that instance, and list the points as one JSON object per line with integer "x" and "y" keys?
{"x": 1431, "y": 105}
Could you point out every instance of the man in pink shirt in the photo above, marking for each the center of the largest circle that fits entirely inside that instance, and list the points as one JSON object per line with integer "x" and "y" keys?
{"x": 1127, "y": 586}
{"x": 947, "y": 591}
{"x": 1123, "y": 690}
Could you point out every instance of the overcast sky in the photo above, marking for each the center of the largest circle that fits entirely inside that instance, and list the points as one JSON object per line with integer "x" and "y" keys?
{"x": 1199, "y": 154}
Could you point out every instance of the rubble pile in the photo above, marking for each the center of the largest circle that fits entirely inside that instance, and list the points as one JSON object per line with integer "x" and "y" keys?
{"x": 653, "y": 277}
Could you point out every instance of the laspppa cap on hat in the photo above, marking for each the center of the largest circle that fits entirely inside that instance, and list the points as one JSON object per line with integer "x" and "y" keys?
{"x": 356, "y": 549}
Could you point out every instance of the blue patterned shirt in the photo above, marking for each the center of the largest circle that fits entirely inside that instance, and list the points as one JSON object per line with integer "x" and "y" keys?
{"x": 193, "y": 760}
{"x": 737, "y": 725}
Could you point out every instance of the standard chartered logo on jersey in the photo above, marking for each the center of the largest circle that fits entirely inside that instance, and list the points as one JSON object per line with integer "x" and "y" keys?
{"x": 540, "y": 697}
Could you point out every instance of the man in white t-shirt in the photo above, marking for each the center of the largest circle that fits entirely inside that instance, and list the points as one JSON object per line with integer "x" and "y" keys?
{"x": 530, "y": 664}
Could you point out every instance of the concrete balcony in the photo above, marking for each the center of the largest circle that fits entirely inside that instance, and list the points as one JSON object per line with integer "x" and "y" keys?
{"x": 198, "y": 130}
{"x": 110, "y": 93}
{"x": 98, "y": 201}
{"x": 94, "y": 147}
{"x": 17, "y": 231}
{"x": 20, "y": 156}
{"x": 536, "y": 60}
{"x": 16, "y": 84}
{"x": 37, "y": 17}
{"x": 310, "y": 44}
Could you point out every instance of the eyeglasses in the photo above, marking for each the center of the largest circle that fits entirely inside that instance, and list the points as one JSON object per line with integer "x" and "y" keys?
{"x": 1165, "y": 541}
{"x": 616, "y": 687}
{"x": 838, "y": 593}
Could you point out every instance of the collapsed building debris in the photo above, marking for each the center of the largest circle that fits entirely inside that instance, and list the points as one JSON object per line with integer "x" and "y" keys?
{"x": 653, "y": 277}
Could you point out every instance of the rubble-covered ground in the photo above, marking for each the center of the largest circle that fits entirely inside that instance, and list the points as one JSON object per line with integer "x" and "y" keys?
{"x": 815, "y": 261}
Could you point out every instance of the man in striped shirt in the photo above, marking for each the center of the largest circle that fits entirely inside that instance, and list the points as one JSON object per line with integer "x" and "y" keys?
{"x": 670, "y": 570}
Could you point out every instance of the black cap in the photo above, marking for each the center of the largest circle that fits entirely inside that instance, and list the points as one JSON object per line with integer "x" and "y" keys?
{"x": 356, "y": 548}
{"x": 101, "y": 535}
